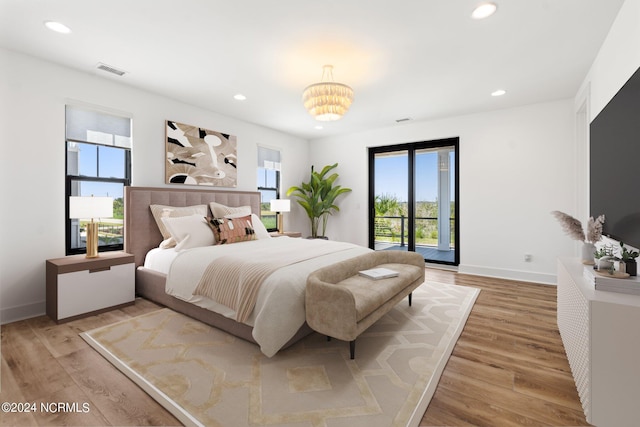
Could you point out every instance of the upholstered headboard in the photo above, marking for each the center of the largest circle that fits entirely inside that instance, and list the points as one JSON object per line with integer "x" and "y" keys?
{"x": 141, "y": 233}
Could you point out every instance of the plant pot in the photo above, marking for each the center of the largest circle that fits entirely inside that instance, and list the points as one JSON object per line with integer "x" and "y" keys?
{"x": 632, "y": 267}
{"x": 603, "y": 265}
{"x": 318, "y": 237}
{"x": 588, "y": 250}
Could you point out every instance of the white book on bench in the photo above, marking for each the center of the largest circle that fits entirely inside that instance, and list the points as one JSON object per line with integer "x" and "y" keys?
{"x": 378, "y": 273}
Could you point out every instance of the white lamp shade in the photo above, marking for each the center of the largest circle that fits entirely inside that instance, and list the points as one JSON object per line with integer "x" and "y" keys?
{"x": 90, "y": 207}
{"x": 280, "y": 205}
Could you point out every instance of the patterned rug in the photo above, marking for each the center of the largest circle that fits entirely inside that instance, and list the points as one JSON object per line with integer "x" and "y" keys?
{"x": 205, "y": 376}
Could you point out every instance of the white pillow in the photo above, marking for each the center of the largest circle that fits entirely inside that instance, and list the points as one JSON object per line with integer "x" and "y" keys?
{"x": 160, "y": 211}
{"x": 221, "y": 211}
{"x": 259, "y": 228}
{"x": 189, "y": 231}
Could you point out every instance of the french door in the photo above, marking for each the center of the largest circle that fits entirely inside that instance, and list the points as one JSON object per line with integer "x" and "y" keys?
{"x": 414, "y": 199}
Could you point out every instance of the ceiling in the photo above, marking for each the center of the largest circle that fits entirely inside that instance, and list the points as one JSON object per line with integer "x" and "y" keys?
{"x": 418, "y": 59}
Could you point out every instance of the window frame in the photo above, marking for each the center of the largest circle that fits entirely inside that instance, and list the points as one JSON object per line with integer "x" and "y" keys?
{"x": 73, "y": 178}
{"x": 269, "y": 159}
{"x": 277, "y": 191}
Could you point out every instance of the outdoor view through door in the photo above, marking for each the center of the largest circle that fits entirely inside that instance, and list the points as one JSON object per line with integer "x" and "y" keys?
{"x": 413, "y": 199}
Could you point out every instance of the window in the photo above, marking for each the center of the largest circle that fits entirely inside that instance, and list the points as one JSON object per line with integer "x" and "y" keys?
{"x": 268, "y": 184}
{"x": 98, "y": 163}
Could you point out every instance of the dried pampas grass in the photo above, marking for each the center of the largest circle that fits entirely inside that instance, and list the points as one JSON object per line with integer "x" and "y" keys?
{"x": 594, "y": 229}
{"x": 570, "y": 225}
{"x": 573, "y": 227}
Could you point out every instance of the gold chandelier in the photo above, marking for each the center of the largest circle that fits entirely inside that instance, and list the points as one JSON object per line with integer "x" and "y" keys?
{"x": 327, "y": 100}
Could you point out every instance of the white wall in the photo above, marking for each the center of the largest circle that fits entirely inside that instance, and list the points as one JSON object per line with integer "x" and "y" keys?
{"x": 516, "y": 166}
{"x": 33, "y": 94}
{"x": 618, "y": 58}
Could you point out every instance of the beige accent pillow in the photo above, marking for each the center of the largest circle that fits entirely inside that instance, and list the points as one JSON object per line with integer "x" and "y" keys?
{"x": 189, "y": 231}
{"x": 256, "y": 222}
{"x": 159, "y": 211}
{"x": 221, "y": 211}
{"x": 232, "y": 230}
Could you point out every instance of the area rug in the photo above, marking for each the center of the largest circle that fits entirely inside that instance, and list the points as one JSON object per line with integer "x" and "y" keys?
{"x": 205, "y": 376}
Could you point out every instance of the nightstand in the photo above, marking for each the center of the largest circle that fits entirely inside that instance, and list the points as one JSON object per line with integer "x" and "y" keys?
{"x": 78, "y": 286}
{"x": 286, "y": 233}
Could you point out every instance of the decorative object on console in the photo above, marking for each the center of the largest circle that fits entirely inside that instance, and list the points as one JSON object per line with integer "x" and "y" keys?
{"x": 611, "y": 281}
{"x": 629, "y": 258}
{"x": 90, "y": 208}
{"x": 327, "y": 100}
{"x": 573, "y": 228}
{"x": 318, "y": 197}
{"x": 604, "y": 257}
{"x": 279, "y": 206}
{"x": 199, "y": 156}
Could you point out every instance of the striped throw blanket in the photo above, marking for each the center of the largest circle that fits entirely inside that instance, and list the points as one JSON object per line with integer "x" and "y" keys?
{"x": 234, "y": 280}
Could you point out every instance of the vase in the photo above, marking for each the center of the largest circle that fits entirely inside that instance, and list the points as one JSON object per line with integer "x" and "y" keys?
{"x": 632, "y": 267}
{"x": 588, "y": 249}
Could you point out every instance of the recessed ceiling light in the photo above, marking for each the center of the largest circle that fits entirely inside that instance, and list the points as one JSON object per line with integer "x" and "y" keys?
{"x": 319, "y": 127}
{"x": 239, "y": 97}
{"x": 57, "y": 27}
{"x": 484, "y": 10}
{"x": 498, "y": 92}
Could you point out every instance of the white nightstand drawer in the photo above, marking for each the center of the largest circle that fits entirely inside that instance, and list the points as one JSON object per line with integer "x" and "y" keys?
{"x": 90, "y": 290}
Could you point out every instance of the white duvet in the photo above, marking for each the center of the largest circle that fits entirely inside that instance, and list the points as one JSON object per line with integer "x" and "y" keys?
{"x": 279, "y": 310}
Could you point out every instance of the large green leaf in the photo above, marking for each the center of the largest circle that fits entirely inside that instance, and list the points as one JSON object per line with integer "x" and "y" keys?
{"x": 317, "y": 197}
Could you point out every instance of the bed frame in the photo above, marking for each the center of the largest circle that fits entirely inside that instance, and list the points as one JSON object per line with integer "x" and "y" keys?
{"x": 141, "y": 234}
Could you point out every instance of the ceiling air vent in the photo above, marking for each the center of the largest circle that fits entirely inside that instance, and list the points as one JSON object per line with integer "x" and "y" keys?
{"x": 110, "y": 69}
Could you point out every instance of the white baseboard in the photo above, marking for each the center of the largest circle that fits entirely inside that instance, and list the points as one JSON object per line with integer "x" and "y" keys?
{"x": 501, "y": 273}
{"x": 14, "y": 314}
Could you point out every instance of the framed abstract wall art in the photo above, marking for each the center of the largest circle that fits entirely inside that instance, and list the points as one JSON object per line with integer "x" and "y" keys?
{"x": 197, "y": 156}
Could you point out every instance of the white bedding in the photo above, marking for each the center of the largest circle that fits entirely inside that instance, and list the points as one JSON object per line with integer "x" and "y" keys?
{"x": 160, "y": 259}
{"x": 279, "y": 310}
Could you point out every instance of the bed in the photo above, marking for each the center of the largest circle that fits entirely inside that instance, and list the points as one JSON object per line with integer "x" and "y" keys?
{"x": 271, "y": 325}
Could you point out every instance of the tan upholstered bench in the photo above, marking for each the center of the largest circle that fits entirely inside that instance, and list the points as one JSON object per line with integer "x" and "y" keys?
{"x": 341, "y": 304}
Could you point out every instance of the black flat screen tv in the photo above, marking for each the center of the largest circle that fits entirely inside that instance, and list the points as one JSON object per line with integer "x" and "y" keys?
{"x": 615, "y": 164}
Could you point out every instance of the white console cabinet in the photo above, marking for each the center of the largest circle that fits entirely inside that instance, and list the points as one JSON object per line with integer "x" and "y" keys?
{"x": 601, "y": 334}
{"x": 78, "y": 286}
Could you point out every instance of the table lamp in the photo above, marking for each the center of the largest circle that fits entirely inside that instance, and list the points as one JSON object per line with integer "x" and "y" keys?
{"x": 278, "y": 206}
{"x": 90, "y": 208}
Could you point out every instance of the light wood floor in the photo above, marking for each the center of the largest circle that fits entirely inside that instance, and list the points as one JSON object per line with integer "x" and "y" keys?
{"x": 508, "y": 367}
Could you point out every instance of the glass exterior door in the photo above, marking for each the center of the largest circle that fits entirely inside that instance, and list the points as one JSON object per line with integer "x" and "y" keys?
{"x": 391, "y": 201}
{"x": 413, "y": 198}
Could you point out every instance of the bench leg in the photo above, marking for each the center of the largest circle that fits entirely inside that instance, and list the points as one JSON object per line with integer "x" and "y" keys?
{"x": 352, "y": 349}
{"x": 410, "y": 293}
{"x": 328, "y": 338}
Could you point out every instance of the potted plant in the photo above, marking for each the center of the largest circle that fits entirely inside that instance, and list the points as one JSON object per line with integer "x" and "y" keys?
{"x": 318, "y": 198}
{"x": 604, "y": 257}
{"x": 629, "y": 259}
